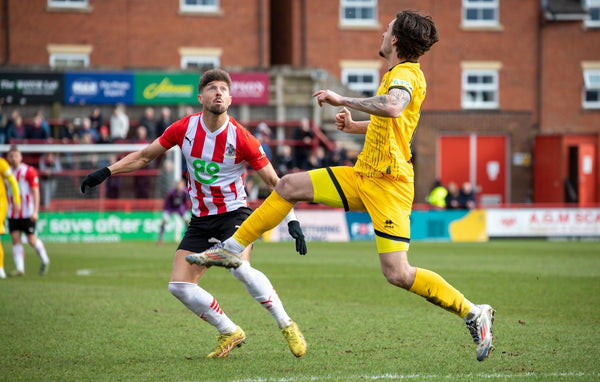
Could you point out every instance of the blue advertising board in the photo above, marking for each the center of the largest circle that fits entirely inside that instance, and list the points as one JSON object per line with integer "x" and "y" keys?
{"x": 443, "y": 225}
{"x": 99, "y": 88}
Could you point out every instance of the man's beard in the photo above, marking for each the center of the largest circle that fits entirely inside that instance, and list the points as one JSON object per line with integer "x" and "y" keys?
{"x": 381, "y": 54}
{"x": 217, "y": 109}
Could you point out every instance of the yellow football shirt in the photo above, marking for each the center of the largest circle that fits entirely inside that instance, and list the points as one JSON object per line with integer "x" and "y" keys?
{"x": 386, "y": 151}
{"x": 8, "y": 176}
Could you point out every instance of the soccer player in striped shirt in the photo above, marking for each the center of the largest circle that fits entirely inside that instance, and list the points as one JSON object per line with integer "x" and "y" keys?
{"x": 24, "y": 218}
{"x": 216, "y": 149}
{"x": 382, "y": 180}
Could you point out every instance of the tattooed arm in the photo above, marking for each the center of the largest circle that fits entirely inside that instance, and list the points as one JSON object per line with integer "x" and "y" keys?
{"x": 388, "y": 105}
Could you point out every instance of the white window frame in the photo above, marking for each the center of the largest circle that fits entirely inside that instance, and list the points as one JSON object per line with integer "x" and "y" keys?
{"x": 68, "y": 4}
{"x": 591, "y": 82}
{"x": 69, "y": 57}
{"x": 210, "y": 61}
{"x": 592, "y": 6}
{"x": 361, "y": 86}
{"x": 201, "y": 8}
{"x": 480, "y": 89}
{"x": 480, "y": 6}
{"x": 363, "y": 4}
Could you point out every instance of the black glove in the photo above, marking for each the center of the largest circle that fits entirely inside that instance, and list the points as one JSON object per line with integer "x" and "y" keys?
{"x": 296, "y": 232}
{"x": 94, "y": 179}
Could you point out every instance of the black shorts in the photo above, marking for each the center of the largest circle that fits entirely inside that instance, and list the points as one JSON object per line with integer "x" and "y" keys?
{"x": 221, "y": 226}
{"x": 23, "y": 225}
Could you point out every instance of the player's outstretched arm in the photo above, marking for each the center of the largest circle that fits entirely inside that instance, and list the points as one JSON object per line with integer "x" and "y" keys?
{"x": 131, "y": 162}
{"x": 386, "y": 105}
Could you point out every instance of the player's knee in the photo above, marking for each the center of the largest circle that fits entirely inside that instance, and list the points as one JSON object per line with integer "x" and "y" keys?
{"x": 399, "y": 277}
{"x": 284, "y": 187}
{"x": 294, "y": 187}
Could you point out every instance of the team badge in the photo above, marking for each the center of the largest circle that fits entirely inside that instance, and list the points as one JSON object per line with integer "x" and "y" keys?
{"x": 230, "y": 151}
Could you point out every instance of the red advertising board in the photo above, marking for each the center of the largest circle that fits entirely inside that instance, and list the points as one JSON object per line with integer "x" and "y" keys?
{"x": 250, "y": 88}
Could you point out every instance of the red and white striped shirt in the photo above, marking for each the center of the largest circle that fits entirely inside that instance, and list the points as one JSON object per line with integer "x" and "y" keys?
{"x": 216, "y": 162}
{"x": 27, "y": 177}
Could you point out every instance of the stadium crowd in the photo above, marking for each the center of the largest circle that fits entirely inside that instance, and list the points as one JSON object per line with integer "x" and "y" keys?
{"x": 305, "y": 150}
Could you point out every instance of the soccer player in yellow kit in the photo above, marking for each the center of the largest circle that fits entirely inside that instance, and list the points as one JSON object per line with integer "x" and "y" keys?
{"x": 381, "y": 182}
{"x": 7, "y": 177}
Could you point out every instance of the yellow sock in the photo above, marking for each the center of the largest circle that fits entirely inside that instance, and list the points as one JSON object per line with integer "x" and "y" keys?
{"x": 264, "y": 218}
{"x": 436, "y": 290}
{"x": 1, "y": 256}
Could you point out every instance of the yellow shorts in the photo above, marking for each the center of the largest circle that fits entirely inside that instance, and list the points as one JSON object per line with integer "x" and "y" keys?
{"x": 388, "y": 202}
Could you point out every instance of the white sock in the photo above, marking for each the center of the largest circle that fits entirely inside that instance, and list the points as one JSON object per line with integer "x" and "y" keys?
{"x": 259, "y": 287}
{"x": 19, "y": 257}
{"x": 40, "y": 249}
{"x": 203, "y": 304}
{"x": 2, "y": 273}
{"x": 233, "y": 246}
{"x": 473, "y": 313}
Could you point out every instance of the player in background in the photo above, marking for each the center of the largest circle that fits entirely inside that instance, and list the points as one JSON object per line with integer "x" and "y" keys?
{"x": 24, "y": 219}
{"x": 382, "y": 180}
{"x": 216, "y": 149}
{"x": 176, "y": 203}
{"x": 10, "y": 182}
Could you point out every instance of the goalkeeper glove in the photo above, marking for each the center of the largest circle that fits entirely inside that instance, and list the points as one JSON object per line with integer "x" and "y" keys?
{"x": 296, "y": 232}
{"x": 94, "y": 179}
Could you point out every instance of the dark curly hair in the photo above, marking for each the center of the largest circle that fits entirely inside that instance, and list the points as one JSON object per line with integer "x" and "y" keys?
{"x": 213, "y": 75}
{"x": 416, "y": 33}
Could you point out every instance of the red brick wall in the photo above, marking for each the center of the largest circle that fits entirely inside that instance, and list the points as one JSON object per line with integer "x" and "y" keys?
{"x": 566, "y": 45}
{"x": 515, "y": 46}
{"x": 134, "y": 33}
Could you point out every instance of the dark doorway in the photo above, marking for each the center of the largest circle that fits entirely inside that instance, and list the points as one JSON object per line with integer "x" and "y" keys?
{"x": 281, "y": 32}
{"x": 572, "y": 180}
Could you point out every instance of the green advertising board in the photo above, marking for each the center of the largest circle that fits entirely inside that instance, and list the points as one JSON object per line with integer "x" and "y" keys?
{"x": 166, "y": 88}
{"x": 93, "y": 227}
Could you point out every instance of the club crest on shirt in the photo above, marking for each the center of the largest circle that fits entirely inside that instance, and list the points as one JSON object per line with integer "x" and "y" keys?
{"x": 230, "y": 151}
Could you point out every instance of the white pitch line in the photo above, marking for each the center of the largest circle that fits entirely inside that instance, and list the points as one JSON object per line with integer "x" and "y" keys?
{"x": 390, "y": 376}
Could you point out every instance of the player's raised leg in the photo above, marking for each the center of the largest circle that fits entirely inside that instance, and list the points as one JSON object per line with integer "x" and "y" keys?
{"x": 290, "y": 189}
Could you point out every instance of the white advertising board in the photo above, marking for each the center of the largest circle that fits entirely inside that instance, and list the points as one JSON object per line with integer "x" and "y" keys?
{"x": 543, "y": 222}
{"x": 317, "y": 225}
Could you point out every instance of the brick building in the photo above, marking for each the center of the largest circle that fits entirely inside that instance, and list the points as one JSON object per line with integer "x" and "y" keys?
{"x": 508, "y": 81}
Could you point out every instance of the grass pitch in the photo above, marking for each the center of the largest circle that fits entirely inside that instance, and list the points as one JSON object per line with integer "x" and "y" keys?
{"x": 104, "y": 313}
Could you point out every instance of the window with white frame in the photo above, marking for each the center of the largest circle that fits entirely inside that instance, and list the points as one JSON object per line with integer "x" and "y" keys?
{"x": 358, "y": 12}
{"x": 365, "y": 81}
{"x": 200, "y": 62}
{"x": 68, "y": 3}
{"x": 481, "y": 13}
{"x": 591, "y": 91}
{"x": 593, "y": 11}
{"x": 199, "y": 5}
{"x": 69, "y": 60}
{"x": 479, "y": 89}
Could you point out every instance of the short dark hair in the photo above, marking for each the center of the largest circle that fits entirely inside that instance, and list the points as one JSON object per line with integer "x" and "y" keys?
{"x": 214, "y": 75}
{"x": 415, "y": 32}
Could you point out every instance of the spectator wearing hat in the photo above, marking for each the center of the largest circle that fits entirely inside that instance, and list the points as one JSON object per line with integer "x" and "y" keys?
{"x": 104, "y": 135}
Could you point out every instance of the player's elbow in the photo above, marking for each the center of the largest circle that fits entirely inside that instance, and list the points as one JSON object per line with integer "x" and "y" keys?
{"x": 394, "y": 111}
